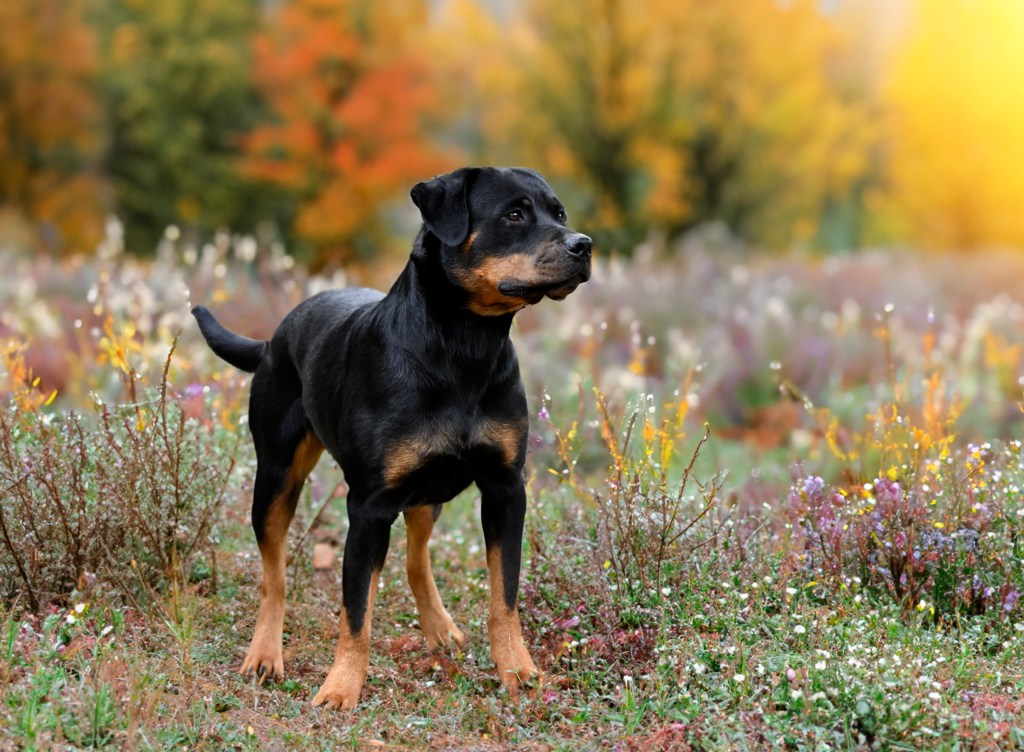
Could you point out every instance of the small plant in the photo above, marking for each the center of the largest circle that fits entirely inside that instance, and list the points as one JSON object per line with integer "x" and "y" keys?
{"x": 126, "y": 496}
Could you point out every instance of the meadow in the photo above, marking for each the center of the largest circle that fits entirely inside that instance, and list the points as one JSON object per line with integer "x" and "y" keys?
{"x": 775, "y": 503}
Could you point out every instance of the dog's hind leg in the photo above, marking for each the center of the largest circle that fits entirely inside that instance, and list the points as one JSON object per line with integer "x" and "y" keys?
{"x": 438, "y": 627}
{"x": 366, "y": 547}
{"x": 284, "y": 458}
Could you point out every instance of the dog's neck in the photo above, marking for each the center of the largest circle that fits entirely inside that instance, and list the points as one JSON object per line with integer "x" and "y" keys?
{"x": 425, "y": 300}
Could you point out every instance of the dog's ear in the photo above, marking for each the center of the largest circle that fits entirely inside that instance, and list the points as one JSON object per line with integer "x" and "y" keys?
{"x": 443, "y": 204}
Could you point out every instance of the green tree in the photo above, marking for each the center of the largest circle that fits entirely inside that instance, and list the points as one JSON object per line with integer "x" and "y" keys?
{"x": 179, "y": 95}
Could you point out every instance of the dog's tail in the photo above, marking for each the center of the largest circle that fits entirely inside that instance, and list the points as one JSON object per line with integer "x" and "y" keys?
{"x": 243, "y": 353}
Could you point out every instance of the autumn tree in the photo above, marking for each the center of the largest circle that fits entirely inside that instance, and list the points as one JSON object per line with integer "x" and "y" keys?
{"x": 671, "y": 112}
{"x": 179, "y": 95}
{"x": 49, "y": 126}
{"x": 956, "y": 125}
{"x": 353, "y": 100}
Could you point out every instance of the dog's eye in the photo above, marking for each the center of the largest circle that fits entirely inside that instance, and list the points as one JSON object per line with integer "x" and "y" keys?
{"x": 561, "y": 216}
{"x": 516, "y": 215}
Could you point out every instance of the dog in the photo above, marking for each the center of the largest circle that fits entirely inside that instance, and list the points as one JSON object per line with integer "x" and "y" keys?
{"x": 416, "y": 394}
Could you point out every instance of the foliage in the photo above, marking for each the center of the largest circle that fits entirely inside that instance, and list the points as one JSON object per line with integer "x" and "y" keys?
{"x": 179, "y": 93}
{"x": 673, "y": 113}
{"x": 50, "y": 189}
{"x": 126, "y": 498}
{"x": 352, "y": 97}
{"x": 707, "y": 619}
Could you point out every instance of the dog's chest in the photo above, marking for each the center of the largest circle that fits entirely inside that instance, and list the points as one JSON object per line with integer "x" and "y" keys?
{"x": 440, "y": 444}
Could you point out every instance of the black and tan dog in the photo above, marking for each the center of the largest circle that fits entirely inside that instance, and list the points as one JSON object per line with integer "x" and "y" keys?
{"x": 416, "y": 394}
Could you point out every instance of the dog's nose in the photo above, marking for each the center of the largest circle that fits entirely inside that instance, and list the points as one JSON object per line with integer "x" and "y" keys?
{"x": 579, "y": 246}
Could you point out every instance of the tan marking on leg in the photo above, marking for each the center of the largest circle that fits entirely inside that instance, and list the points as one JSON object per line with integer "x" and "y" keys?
{"x": 438, "y": 626}
{"x": 347, "y": 676}
{"x": 506, "y": 634}
{"x": 506, "y": 436}
{"x": 265, "y": 657}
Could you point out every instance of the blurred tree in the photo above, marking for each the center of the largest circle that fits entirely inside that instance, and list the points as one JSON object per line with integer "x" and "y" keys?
{"x": 49, "y": 126}
{"x": 179, "y": 93}
{"x": 672, "y": 112}
{"x": 353, "y": 100}
{"x": 956, "y": 153}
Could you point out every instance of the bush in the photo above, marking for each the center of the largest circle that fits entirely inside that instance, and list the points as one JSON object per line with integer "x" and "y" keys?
{"x": 946, "y": 544}
{"x": 126, "y": 496}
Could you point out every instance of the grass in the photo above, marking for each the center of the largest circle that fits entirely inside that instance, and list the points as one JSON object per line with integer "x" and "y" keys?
{"x": 793, "y": 527}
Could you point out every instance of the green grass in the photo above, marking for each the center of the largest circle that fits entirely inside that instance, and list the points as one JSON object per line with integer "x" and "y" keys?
{"x": 741, "y": 652}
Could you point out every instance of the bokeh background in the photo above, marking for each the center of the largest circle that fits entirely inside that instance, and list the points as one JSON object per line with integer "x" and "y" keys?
{"x": 824, "y": 125}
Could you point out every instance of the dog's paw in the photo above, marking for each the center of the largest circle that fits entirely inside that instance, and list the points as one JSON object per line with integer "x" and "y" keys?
{"x": 340, "y": 689}
{"x": 442, "y": 634}
{"x": 264, "y": 663}
{"x": 515, "y": 666}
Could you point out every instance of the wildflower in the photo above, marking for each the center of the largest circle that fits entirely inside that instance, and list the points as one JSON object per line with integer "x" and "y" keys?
{"x": 821, "y": 665}
{"x": 543, "y": 414}
{"x": 799, "y": 629}
{"x": 796, "y": 694}
{"x": 739, "y": 678}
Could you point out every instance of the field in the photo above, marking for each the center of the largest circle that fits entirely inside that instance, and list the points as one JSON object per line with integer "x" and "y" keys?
{"x": 775, "y": 504}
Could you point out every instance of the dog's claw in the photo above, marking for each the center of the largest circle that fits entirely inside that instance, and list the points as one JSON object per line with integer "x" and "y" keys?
{"x": 263, "y": 667}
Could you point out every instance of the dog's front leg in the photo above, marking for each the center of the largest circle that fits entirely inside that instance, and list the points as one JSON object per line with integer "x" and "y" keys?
{"x": 366, "y": 547}
{"x": 503, "y": 510}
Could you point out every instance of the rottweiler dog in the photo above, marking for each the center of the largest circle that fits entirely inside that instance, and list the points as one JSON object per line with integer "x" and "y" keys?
{"x": 416, "y": 394}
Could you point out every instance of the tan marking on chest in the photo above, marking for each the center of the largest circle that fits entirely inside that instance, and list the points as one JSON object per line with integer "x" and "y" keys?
{"x": 407, "y": 455}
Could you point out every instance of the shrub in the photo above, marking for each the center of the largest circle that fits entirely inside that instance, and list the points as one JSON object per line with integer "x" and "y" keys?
{"x": 946, "y": 544}
{"x": 126, "y": 496}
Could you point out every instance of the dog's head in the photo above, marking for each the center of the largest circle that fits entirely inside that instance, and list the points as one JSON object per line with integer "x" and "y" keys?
{"x": 503, "y": 237}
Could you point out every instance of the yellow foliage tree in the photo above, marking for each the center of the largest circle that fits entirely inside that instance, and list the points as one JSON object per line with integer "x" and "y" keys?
{"x": 956, "y": 151}
{"x": 670, "y": 112}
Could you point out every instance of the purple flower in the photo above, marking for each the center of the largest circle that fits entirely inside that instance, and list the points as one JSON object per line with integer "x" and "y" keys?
{"x": 543, "y": 413}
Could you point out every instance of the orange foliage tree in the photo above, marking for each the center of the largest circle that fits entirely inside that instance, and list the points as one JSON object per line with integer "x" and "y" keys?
{"x": 354, "y": 102}
{"x": 50, "y": 192}
{"x": 669, "y": 112}
{"x": 956, "y": 149}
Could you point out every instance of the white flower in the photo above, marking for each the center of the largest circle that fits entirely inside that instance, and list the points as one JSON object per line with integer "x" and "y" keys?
{"x": 739, "y": 678}
{"x": 799, "y": 629}
{"x": 820, "y": 665}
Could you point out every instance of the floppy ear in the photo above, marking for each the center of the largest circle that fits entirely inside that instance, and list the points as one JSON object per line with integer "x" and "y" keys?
{"x": 443, "y": 205}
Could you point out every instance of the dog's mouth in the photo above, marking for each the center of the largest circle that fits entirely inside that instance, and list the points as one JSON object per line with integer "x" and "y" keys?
{"x": 533, "y": 292}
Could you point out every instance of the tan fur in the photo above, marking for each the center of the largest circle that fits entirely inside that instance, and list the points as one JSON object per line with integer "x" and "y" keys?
{"x": 481, "y": 282}
{"x": 438, "y": 626}
{"x": 407, "y": 454}
{"x": 347, "y": 676}
{"x": 507, "y": 437}
{"x": 467, "y": 246}
{"x": 508, "y": 652}
{"x": 265, "y": 657}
